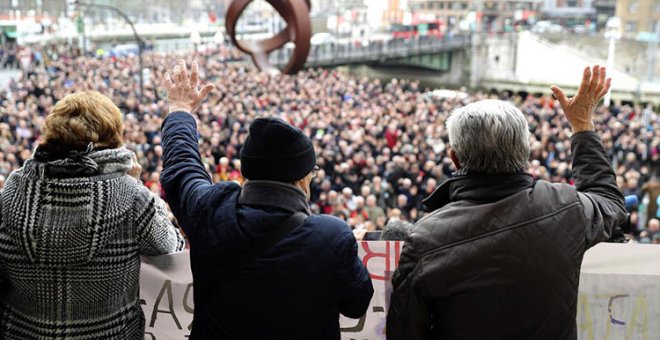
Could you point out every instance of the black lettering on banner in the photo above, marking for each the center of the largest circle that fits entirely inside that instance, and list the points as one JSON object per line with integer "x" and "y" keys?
{"x": 150, "y": 335}
{"x": 357, "y": 328}
{"x": 186, "y": 306}
{"x": 609, "y": 309}
{"x": 167, "y": 287}
{"x": 361, "y": 322}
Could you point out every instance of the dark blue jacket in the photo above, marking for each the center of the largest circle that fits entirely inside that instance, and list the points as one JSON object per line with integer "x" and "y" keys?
{"x": 295, "y": 290}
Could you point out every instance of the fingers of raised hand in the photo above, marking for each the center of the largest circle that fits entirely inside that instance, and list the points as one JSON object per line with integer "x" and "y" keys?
{"x": 606, "y": 88}
{"x": 194, "y": 74}
{"x": 584, "y": 85}
{"x": 167, "y": 82}
{"x": 595, "y": 79}
{"x": 603, "y": 78}
{"x": 179, "y": 75}
{"x": 600, "y": 81}
{"x": 205, "y": 91}
{"x": 561, "y": 96}
{"x": 183, "y": 74}
{"x": 176, "y": 75}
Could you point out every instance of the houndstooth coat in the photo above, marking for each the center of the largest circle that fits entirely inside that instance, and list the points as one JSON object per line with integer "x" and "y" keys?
{"x": 71, "y": 234}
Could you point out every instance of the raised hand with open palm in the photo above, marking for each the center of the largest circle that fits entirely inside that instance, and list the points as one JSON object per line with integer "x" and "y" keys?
{"x": 579, "y": 109}
{"x": 183, "y": 93}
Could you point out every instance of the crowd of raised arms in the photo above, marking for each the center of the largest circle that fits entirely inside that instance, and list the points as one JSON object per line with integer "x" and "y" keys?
{"x": 381, "y": 145}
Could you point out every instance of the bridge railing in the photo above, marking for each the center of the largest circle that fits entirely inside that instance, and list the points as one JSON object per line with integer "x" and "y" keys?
{"x": 346, "y": 53}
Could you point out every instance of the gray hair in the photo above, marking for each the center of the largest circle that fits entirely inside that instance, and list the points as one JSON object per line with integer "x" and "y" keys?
{"x": 489, "y": 137}
{"x": 396, "y": 230}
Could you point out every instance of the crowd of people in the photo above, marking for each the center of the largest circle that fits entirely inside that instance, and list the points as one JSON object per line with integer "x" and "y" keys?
{"x": 381, "y": 145}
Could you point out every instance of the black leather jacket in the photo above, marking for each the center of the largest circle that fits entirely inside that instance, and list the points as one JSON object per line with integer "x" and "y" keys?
{"x": 499, "y": 257}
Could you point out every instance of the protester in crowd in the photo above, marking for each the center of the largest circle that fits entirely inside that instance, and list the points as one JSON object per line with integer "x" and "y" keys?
{"x": 502, "y": 250}
{"x": 263, "y": 267}
{"x": 652, "y": 189}
{"x": 375, "y": 213}
{"x": 396, "y": 230}
{"x": 346, "y": 117}
{"x": 75, "y": 220}
{"x": 652, "y": 229}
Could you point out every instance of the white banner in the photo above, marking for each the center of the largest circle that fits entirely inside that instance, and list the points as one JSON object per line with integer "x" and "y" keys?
{"x": 619, "y": 295}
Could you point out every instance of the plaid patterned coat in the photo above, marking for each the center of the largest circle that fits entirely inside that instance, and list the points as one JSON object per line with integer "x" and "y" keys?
{"x": 71, "y": 235}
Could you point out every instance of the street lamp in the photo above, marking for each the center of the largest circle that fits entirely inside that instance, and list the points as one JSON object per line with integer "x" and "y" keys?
{"x": 196, "y": 39}
{"x": 613, "y": 33}
{"x": 219, "y": 38}
{"x": 135, "y": 34}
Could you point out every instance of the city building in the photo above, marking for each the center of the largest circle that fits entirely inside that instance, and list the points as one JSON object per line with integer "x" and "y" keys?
{"x": 395, "y": 11}
{"x": 639, "y": 18}
{"x": 569, "y": 12}
{"x": 604, "y": 8}
{"x": 484, "y": 16}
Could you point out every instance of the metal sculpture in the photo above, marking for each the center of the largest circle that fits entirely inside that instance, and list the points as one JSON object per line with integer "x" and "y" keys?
{"x": 297, "y": 31}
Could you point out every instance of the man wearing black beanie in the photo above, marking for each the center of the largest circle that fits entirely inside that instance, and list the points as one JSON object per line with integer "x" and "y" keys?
{"x": 276, "y": 151}
{"x": 263, "y": 268}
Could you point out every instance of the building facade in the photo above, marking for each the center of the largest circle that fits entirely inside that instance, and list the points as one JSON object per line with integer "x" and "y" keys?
{"x": 605, "y": 8}
{"x": 568, "y": 8}
{"x": 484, "y": 16}
{"x": 638, "y": 17}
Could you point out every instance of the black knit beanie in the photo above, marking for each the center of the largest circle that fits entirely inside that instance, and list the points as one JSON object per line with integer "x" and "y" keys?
{"x": 276, "y": 151}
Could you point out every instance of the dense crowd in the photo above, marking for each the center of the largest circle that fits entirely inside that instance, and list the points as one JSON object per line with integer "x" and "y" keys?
{"x": 381, "y": 146}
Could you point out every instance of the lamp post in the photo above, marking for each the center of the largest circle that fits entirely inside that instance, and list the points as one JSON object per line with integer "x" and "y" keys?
{"x": 612, "y": 33}
{"x": 653, "y": 46}
{"x": 196, "y": 39}
{"x": 135, "y": 34}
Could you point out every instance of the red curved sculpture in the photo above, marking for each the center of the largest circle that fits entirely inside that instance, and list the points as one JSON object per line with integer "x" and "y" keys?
{"x": 298, "y": 31}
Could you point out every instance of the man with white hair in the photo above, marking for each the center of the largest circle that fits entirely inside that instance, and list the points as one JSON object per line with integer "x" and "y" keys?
{"x": 349, "y": 199}
{"x": 499, "y": 255}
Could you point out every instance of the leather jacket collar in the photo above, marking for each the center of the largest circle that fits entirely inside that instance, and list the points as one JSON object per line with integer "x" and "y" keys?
{"x": 479, "y": 188}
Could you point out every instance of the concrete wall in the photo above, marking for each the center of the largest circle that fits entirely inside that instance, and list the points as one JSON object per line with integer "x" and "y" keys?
{"x": 527, "y": 62}
{"x": 631, "y": 56}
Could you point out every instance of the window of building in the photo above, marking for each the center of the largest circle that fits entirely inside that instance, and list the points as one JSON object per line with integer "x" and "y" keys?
{"x": 657, "y": 6}
{"x": 464, "y": 5}
{"x": 631, "y": 27}
{"x": 571, "y": 3}
{"x": 652, "y": 25}
{"x": 634, "y": 6}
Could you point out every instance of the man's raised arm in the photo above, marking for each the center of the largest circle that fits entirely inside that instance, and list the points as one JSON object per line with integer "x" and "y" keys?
{"x": 184, "y": 177}
{"x": 594, "y": 178}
